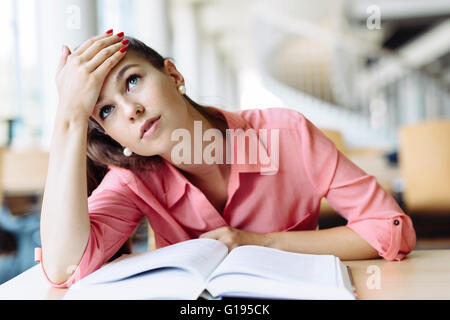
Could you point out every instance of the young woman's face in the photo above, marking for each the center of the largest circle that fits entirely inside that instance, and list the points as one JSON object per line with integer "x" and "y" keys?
{"x": 132, "y": 95}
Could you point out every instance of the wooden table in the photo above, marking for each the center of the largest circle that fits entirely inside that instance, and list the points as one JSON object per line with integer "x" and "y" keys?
{"x": 424, "y": 274}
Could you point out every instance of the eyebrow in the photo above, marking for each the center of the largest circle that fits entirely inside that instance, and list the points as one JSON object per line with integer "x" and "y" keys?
{"x": 119, "y": 77}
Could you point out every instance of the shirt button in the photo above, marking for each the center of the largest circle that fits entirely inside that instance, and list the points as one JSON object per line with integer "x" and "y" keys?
{"x": 396, "y": 222}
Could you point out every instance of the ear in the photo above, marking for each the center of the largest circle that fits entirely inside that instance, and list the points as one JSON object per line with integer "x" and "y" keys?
{"x": 173, "y": 73}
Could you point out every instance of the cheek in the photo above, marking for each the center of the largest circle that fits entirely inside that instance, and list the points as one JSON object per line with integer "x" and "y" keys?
{"x": 118, "y": 138}
{"x": 118, "y": 134}
{"x": 162, "y": 93}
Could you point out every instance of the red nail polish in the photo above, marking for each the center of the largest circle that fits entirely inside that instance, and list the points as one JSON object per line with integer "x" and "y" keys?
{"x": 125, "y": 42}
{"x": 120, "y": 34}
{"x": 109, "y": 31}
{"x": 123, "y": 49}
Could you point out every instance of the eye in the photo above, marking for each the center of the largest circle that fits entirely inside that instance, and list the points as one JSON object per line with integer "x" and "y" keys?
{"x": 105, "y": 112}
{"x": 132, "y": 81}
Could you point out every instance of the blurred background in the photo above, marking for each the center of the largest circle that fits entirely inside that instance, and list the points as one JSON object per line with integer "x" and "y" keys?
{"x": 374, "y": 75}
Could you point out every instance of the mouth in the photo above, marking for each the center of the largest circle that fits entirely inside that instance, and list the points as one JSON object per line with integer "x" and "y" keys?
{"x": 148, "y": 127}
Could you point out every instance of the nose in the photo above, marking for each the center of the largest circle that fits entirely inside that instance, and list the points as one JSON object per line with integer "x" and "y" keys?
{"x": 133, "y": 111}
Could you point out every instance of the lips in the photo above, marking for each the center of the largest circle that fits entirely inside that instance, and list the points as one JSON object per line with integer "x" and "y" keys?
{"x": 148, "y": 124}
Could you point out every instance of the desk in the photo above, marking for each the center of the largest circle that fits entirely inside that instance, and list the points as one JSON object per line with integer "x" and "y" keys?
{"x": 424, "y": 274}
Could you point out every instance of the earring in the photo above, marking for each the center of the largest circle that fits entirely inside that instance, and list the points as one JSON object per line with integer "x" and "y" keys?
{"x": 182, "y": 89}
{"x": 127, "y": 152}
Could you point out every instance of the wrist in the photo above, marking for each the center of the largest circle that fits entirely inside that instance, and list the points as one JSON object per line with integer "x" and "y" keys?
{"x": 268, "y": 240}
{"x": 71, "y": 118}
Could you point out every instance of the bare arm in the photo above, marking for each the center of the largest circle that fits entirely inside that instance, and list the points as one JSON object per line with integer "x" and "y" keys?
{"x": 339, "y": 241}
{"x": 64, "y": 218}
{"x": 342, "y": 242}
{"x": 65, "y": 225}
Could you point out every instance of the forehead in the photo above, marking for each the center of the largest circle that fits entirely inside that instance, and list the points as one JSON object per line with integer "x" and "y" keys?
{"x": 109, "y": 84}
{"x": 130, "y": 58}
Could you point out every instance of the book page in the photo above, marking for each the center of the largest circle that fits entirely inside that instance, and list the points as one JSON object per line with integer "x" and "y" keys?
{"x": 164, "y": 283}
{"x": 250, "y": 286}
{"x": 255, "y": 271}
{"x": 199, "y": 257}
{"x": 279, "y": 265}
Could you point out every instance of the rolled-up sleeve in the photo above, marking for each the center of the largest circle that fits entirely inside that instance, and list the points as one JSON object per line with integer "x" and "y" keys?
{"x": 113, "y": 217}
{"x": 369, "y": 210}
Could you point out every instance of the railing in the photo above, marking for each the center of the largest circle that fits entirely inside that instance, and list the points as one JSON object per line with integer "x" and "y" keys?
{"x": 342, "y": 82}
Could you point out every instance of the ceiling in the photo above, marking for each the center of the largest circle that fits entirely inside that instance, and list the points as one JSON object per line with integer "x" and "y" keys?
{"x": 414, "y": 30}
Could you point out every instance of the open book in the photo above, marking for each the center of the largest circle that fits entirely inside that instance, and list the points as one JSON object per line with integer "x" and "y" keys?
{"x": 203, "y": 267}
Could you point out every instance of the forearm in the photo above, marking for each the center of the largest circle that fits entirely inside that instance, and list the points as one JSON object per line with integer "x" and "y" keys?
{"x": 339, "y": 241}
{"x": 64, "y": 219}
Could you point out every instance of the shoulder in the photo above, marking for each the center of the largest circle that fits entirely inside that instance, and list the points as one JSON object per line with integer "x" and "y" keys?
{"x": 131, "y": 184}
{"x": 117, "y": 180}
{"x": 117, "y": 189}
{"x": 273, "y": 118}
{"x": 117, "y": 177}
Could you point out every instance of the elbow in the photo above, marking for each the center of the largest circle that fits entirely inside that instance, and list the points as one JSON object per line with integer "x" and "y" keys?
{"x": 58, "y": 276}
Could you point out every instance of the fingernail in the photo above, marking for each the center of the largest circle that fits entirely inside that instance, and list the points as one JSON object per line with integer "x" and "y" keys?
{"x": 123, "y": 49}
{"x": 109, "y": 31}
{"x": 125, "y": 42}
{"x": 120, "y": 34}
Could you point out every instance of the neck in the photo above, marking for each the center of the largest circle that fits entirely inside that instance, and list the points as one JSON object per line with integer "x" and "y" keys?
{"x": 202, "y": 172}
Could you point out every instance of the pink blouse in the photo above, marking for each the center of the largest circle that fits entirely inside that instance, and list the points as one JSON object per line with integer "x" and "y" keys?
{"x": 283, "y": 195}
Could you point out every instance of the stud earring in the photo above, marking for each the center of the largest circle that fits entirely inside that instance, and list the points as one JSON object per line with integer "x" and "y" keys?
{"x": 127, "y": 152}
{"x": 182, "y": 89}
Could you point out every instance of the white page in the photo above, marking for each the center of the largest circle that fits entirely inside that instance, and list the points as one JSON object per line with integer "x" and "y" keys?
{"x": 199, "y": 256}
{"x": 248, "y": 286}
{"x": 168, "y": 284}
{"x": 343, "y": 278}
{"x": 317, "y": 270}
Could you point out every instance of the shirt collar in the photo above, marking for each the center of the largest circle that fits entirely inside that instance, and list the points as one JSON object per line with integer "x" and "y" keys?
{"x": 234, "y": 121}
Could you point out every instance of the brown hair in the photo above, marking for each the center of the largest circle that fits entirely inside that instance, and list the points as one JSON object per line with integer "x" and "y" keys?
{"x": 102, "y": 150}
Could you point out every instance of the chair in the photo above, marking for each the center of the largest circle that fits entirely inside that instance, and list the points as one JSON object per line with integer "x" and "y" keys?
{"x": 151, "y": 238}
{"x": 424, "y": 159}
{"x": 337, "y": 138}
{"x": 24, "y": 172}
{"x": 370, "y": 159}
{"x": 2, "y": 151}
{"x": 326, "y": 211}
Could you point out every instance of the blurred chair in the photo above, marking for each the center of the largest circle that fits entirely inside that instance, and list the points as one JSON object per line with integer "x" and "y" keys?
{"x": 24, "y": 172}
{"x": 424, "y": 159}
{"x": 22, "y": 178}
{"x": 371, "y": 160}
{"x": 337, "y": 138}
{"x": 151, "y": 238}
{"x": 2, "y": 151}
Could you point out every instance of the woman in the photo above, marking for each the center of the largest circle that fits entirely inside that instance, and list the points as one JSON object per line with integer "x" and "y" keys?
{"x": 124, "y": 107}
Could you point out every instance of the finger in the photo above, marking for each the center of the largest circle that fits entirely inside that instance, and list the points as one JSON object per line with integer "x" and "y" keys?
{"x": 103, "y": 70}
{"x": 62, "y": 61}
{"x": 208, "y": 235}
{"x": 104, "y": 54}
{"x": 91, "y": 41}
{"x": 214, "y": 234}
{"x": 99, "y": 45}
